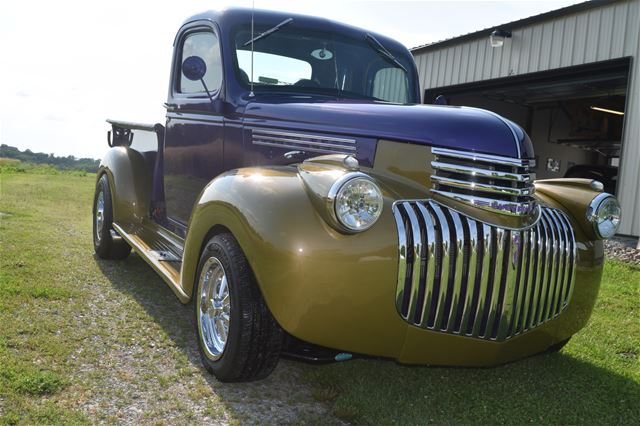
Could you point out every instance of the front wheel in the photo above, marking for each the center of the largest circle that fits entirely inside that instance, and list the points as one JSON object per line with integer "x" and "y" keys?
{"x": 238, "y": 338}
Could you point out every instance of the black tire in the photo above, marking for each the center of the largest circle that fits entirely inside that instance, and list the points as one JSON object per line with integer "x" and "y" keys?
{"x": 557, "y": 347}
{"x": 103, "y": 242}
{"x": 254, "y": 338}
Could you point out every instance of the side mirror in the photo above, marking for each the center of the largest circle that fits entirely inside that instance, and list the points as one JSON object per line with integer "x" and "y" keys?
{"x": 441, "y": 100}
{"x": 194, "y": 68}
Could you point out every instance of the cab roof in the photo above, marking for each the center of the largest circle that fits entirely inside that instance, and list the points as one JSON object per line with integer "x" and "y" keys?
{"x": 228, "y": 18}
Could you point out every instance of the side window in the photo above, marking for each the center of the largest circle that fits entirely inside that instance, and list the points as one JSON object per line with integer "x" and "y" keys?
{"x": 390, "y": 84}
{"x": 204, "y": 45}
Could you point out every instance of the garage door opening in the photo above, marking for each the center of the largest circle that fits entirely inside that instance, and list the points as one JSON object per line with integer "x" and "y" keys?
{"x": 574, "y": 116}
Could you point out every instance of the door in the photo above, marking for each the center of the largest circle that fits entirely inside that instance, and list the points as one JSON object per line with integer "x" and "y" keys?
{"x": 194, "y": 132}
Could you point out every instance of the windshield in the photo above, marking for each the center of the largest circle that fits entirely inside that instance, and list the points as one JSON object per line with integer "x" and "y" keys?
{"x": 298, "y": 60}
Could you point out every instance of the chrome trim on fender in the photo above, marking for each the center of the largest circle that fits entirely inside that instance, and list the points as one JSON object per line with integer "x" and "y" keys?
{"x": 480, "y": 172}
{"x": 482, "y": 187}
{"x": 461, "y": 276}
{"x": 496, "y": 206}
{"x": 475, "y": 156}
{"x": 503, "y": 185}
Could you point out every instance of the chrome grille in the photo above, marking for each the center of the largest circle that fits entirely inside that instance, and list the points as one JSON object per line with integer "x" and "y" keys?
{"x": 500, "y": 184}
{"x": 303, "y": 142}
{"x": 461, "y": 276}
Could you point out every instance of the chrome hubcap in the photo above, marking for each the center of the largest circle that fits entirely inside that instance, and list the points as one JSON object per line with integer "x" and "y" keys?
{"x": 99, "y": 215}
{"x": 214, "y": 308}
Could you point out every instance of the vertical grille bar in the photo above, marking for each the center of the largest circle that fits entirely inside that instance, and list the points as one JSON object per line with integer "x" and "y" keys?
{"x": 553, "y": 272}
{"x": 560, "y": 266}
{"x": 417, "y": 259}
{"x": 460, "y": 276}
{"x": 474, "y": 268}
{"x": 521, "y": 281}
{"x": 484, "y": 279}
{"x": 402, "y": 259}
{"x": 444, "y": 272}
{"x": 542, "y": 270}
{"x": 572, "y": 261}
{"x": 431, "y": 263}
{"x": 498, "y": 267}
{"x": 511, "y": 285}
{"x": 565, "y": 255}
{"x": 534, "y": 261}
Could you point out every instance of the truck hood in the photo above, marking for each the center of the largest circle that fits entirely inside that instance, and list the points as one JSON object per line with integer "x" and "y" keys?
{"x": 452, "y": 127}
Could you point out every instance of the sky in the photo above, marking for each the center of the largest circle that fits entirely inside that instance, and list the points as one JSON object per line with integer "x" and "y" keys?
{"x": 67, "y": 66}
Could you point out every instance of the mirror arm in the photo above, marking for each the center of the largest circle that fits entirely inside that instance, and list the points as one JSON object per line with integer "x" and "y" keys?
{"x": 208, "y": 92}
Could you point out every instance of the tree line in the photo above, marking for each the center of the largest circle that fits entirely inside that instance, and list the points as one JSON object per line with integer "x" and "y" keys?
{"x": 70, "y": 162}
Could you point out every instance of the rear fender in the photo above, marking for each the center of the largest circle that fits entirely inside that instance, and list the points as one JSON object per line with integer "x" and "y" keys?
{"x": 130, "y": 183}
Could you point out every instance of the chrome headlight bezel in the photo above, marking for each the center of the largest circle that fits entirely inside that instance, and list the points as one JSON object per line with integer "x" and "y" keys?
{"x": 333, "y": 199}
{"x": 594, "y": 210}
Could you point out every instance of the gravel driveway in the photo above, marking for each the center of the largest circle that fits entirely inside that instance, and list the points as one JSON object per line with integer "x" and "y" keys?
{"x": 625, "y": 249}
{"x": 148, "y": 368}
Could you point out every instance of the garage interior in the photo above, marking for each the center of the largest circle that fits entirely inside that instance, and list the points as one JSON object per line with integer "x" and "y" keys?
{"x": 574, "y": 116}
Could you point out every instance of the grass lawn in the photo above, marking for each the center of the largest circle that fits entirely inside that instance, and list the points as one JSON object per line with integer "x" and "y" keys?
{"x": 84, "y": 341}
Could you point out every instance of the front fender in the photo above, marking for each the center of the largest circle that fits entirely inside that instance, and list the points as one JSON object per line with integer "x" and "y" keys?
{"x": 314, "y": 279}
{"x": 129, "y": 182}
{"x": 339, "y": 290}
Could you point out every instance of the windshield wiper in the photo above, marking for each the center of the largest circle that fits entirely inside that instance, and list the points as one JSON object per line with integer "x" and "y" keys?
{"x": 269, "y": 31}
{"x": 378, "y": 47}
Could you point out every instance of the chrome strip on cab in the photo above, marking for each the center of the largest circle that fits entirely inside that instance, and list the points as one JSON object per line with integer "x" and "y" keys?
{"x": 303, "y": 141}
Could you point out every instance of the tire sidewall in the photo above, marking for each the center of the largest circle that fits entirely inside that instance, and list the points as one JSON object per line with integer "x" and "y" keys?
{"x": 102, "y": 246}
{"x": 227, "y": 361}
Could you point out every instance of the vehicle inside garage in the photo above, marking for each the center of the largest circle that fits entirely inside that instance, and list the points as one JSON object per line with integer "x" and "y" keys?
{"x": 574, "y": 116}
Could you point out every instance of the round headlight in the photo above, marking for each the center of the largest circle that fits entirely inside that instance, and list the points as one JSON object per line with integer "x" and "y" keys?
{"x": 604, "y": 214}
{"x": 357, "y": 202}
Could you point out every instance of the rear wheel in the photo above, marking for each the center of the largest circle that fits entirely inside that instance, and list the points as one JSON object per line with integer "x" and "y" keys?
{"x": 238, "y": 338}
{"x": 104, "y": 243}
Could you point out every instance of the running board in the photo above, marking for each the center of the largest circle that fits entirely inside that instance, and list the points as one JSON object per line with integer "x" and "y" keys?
{"x": 164, "y": 262}
{"x": 164, "y": 256}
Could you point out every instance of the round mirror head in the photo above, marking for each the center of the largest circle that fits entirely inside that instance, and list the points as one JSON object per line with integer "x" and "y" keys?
{"x": 441, "y": 100}
{"x": 322, "y": 54}
{"x": 194, "y": 68}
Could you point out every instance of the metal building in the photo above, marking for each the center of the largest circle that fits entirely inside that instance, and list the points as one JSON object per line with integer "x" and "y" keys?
{"x": 569, "y": 77}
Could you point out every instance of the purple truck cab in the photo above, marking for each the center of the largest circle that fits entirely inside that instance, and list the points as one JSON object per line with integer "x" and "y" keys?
{"x": 353, "y": 91}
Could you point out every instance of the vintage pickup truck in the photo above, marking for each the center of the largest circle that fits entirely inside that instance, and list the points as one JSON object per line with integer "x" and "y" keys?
{"x": 308, "y": 205}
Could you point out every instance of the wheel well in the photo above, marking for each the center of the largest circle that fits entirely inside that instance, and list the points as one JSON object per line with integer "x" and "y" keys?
{"x": 221, "y": 229}
{"x": 216, "y": 230}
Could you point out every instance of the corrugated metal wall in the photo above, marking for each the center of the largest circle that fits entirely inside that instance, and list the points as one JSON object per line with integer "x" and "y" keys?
{"x": 598, "y": 34}
{"x": 390, "y": 84}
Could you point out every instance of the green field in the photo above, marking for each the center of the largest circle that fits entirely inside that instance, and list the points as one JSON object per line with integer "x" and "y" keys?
{"x": 84, "y": 341}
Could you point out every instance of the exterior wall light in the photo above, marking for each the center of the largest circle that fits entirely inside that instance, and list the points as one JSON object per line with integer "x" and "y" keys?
{"x": 497, "y": 37}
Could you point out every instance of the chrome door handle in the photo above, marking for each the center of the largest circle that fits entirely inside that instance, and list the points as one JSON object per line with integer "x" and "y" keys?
{"x": 289, "y": 155}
